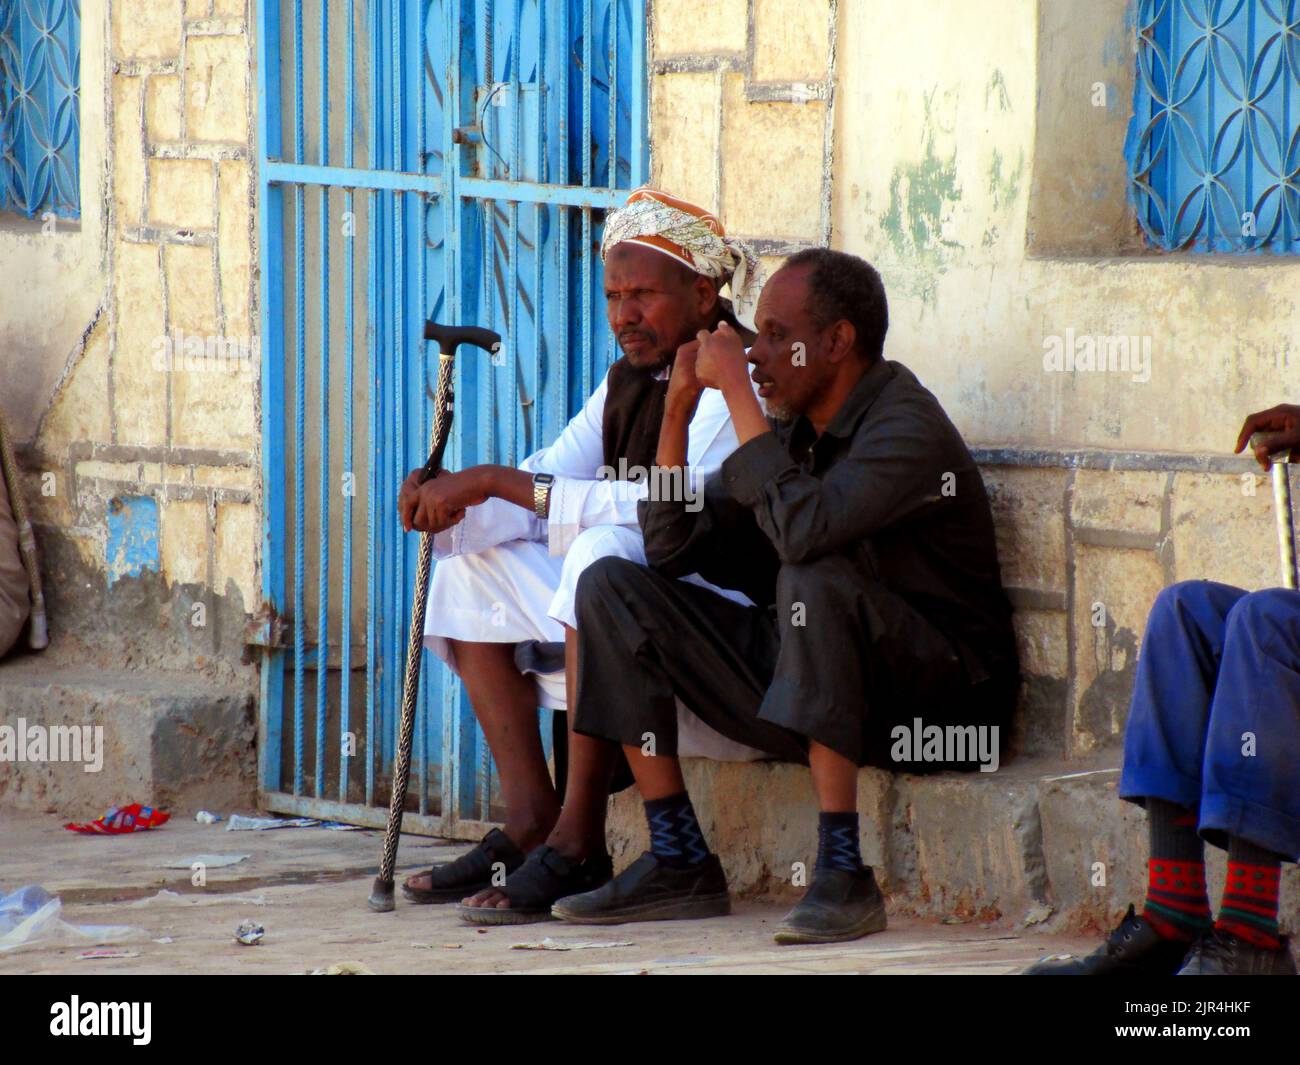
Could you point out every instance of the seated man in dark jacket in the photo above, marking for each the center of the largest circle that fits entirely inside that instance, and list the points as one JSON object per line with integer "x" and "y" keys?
{"x": 853, "y": 515}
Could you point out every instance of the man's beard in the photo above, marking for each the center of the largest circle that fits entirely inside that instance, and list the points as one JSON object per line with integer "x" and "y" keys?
{"x": 777, "y": 412}
{"x": 647, "y": 358}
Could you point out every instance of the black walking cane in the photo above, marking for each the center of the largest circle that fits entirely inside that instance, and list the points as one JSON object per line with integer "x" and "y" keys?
{"x": 448, "y": 337}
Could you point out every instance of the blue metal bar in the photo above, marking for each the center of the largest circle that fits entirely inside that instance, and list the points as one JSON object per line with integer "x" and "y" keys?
{"x": 586, "y": 96}
{"x": 374, "y": 573}
{"x": 299, "y": 413}
{"x": 422, "y": 208}
{"x": 588, "y": 353}
{"x": 613, "y": 94}
{"x": 323, "y": 574}
{"x": 351, "y": 177}
{"x": 564, "y": 361}
{"x": 270, "y": 228}
{"x": 539, "y": 296}
{"x": 299, "y": 486}
{"x": 399, "y": 398}
{"x": 587, "y": 310}
{"x": 513, "y": 338}
{"x": 530, "y": 192}
{"x": 349, "y": 340}
{"x": 1287, "y": 104}
{"x": 640, "y": 121}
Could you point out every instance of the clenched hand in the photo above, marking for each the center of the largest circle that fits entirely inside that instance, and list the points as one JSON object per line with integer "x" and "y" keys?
{"x": 1279, "y": 429}
{"x": 440, "y": 502}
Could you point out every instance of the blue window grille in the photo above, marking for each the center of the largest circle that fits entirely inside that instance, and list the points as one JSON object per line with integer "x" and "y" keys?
{"x": 1214, "y": 145}
{"x": 40, "y": 92}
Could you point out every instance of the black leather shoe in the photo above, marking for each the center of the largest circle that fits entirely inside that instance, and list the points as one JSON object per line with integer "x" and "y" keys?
{"x": 649, "y": 890}
{"x": 1223, "y": 954}
{"x": 1135, "y": 948}
{"x": 837, "y": 906}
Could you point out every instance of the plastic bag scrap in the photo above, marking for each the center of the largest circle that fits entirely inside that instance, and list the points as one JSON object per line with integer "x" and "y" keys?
{"x": 31, "y": 916}
{"x": 240, "y": 823}
{"x": 123, "y": 819}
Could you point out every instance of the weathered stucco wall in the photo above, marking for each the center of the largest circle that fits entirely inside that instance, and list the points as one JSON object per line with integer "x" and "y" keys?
{"x": 143, "y": 469}
{"x": 967, "y": 150}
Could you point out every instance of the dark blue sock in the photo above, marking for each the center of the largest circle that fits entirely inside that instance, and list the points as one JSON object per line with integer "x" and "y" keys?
{"x": 675, "y": 835}
{"x": 837, "y": 842}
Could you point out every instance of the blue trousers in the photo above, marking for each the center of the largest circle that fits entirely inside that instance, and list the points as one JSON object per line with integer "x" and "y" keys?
{"x": 1215, "y": 719}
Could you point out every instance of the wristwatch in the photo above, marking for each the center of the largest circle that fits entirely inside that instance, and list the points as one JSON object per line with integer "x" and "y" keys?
{"x": 542, "y": 493}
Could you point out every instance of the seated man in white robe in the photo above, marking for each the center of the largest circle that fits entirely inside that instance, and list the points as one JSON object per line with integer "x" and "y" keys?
{"x": 511, "y": 543}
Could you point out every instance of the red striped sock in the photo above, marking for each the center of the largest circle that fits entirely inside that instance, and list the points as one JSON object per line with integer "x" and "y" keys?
{"x": 1249, "y": 909}
{"x": 1177, "y": 904}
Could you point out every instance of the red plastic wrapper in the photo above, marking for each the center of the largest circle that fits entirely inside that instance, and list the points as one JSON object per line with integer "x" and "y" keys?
{"x": 123, "y": 819}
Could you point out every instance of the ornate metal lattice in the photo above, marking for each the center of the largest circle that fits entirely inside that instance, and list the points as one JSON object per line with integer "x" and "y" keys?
{"x": 40, "y": 63}
{"x": 1214, "y": 145}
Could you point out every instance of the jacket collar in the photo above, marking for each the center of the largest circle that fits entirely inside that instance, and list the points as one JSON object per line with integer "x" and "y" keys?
{"x": 845, "y": 421}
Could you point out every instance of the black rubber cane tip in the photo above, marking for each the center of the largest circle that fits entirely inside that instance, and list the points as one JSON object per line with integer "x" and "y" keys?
{"x": 381, "y": 896}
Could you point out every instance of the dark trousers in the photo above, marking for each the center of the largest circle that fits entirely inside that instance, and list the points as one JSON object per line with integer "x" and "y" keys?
{"x": 1215, "y": 719}
{"x": 839, "y": 660}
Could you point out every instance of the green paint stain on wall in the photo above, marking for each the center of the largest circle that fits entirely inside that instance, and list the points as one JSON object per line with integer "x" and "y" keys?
{"x": 997, "y": 91}
{"x": 1005, "y": 187}
{"x": 920, "y": 194}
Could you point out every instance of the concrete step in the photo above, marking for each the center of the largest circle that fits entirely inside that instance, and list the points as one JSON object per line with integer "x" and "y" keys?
{"x": 163, "y": 739}
{"x": 1039, "y": 843}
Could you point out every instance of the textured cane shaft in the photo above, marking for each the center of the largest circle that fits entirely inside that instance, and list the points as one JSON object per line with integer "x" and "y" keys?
{"x": 1285, "y": 527}
{"x": 410, "y": 694}
{"x": 442, "y": 415}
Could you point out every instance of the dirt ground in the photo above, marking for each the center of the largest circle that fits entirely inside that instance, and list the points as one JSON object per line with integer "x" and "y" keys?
{"x": 308, "y": 886}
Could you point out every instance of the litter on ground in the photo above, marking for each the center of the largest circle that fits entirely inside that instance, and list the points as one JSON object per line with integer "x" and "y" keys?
{"x": 249, "y": 933}
{"x": 209, "y": 861}
{"x": 31, "y": 916}
{"x": 559, "y": 944}
{"x": 121, "y": 820}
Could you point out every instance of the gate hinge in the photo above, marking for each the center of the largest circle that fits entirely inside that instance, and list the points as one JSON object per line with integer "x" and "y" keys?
{"x": 267, "y": 629}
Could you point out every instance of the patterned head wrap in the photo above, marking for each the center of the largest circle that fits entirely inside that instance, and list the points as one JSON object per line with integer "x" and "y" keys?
{"x": 694, "y": 237}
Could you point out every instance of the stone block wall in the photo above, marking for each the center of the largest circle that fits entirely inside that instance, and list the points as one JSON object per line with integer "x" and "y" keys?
{"x": 143, "y": 472}
{"x": 1086, "y": 544}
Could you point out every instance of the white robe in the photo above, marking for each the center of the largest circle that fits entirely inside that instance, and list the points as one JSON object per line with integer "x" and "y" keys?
{"x": 503, "y": 575}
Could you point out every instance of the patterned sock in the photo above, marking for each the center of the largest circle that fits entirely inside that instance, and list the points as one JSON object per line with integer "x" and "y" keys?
{"x": 675, "y": 835}
{"x": 837, "y": 842}
{"x": 1177, "y": 904}
{"x": 1249, "y": 909}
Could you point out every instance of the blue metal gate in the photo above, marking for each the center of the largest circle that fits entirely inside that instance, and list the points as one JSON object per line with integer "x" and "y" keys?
{"x": 450, "y": 159}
